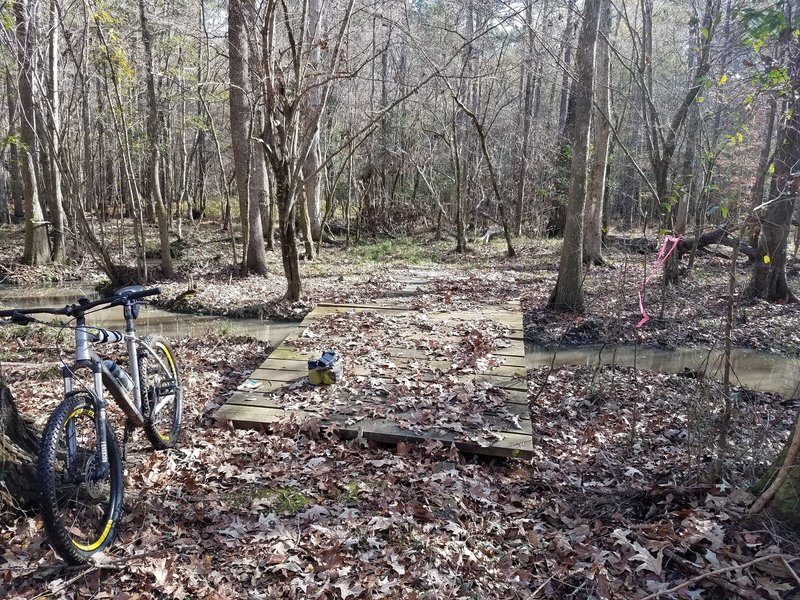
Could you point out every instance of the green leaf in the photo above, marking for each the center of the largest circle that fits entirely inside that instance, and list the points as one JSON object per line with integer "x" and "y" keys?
{"x": 700, "y": 99}
{"x": 705, "y": 33}
{"x": 739, "y": 136}
{"x": 724, "y": 212}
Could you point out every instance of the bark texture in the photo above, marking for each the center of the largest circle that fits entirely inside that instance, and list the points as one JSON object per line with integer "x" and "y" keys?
{"x": 37, "y": 244}
{"x": 768, "y": 280}
{"x": 19, "y": 445}
{"x": 568, "y": 293}
{"x": 593, "y": 221}
{"x": 254, "y": 257}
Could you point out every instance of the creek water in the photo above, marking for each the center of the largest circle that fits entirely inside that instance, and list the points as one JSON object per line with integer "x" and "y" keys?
{"x": 751, "y": 369}
{"x": 151, "y": 320}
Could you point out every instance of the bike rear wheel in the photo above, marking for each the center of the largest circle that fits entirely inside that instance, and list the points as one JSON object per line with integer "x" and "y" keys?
{"x": 81, "y": 507}
{"x": 162, "y": 393}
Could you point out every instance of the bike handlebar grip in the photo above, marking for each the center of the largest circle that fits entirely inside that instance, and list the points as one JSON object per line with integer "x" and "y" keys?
{"x": 151, "y": 292}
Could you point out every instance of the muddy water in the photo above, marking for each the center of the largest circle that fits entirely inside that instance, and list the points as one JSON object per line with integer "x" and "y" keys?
{"x": 753, "y": 370}
{"x": 151, "y": 320}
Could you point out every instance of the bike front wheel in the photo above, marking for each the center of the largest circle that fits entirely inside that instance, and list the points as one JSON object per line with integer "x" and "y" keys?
{"x": 81, "y": 499}
{"x": 162, "y": 393}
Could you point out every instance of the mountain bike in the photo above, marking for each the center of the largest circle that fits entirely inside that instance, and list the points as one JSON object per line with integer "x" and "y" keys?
{"x": 79, "y": 471}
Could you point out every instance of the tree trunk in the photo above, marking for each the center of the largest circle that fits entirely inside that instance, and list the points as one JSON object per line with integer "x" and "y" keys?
{"x": 568, "y": 293}
{"x": 526, "y": 107}
{"x": 287, "y": 232}
{"x": 37, "y": 244}
{"x": 55, "y": 199}
{"x": 768, "y": 280}
{"x": 254, "y": 257}
{"x": 593, "y": 220}
{"x": 19, "y": 446}
{"x": 764, "y": 160}
{"x": 153, "y": 132}
{"x": 13, "y": 153}
{"x": 779, "y": 488}
{"x": 313, "y": 162}
{"x": 566, "y": 51}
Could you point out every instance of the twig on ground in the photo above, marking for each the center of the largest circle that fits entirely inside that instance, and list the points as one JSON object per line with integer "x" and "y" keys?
{"x": 713, "y": 574}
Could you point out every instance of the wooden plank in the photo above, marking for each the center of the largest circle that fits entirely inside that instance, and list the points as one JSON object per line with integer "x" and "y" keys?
{"x": 279, "y": 375}
{"x": 365, "y": 306}
{"x": 512, "y": 320}
{"x": 322, "y": 311}
{"x": 516, "y": 397}
{"x": 505, "y": 383}
{"x": 515, "y": 348}
{"x": 284, "y": 364}
{"x": 510, "y": 444}
{"x": 358, "y": 406}
{"x": 286, "y": 351}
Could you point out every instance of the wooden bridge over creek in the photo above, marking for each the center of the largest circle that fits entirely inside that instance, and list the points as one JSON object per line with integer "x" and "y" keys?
{"x": 410, "y": 375}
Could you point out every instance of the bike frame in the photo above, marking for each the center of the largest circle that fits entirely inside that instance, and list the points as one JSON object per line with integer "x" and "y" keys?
{"x": 87, "y": 358}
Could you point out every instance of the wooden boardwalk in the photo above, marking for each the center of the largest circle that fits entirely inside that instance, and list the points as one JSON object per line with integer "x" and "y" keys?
{"x": 457, "y": 377}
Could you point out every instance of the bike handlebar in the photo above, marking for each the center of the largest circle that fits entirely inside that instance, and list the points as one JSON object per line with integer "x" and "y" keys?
{"x": 76, "y": 310}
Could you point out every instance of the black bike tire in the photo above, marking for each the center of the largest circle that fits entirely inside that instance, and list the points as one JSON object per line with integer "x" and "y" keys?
{"x": 158, "y": 439}
{"x": 57, "y": 533}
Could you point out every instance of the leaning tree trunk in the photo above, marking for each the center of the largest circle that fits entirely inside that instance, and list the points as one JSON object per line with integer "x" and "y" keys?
{"x": 19, "y": 445}
{"x": 779, "y": 488}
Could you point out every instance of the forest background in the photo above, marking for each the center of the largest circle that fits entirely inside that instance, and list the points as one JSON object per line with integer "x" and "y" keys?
{"x": 136, "y": 133}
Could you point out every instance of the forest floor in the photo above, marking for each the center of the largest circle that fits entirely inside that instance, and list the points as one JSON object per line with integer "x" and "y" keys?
{"x": 625, "y": 497}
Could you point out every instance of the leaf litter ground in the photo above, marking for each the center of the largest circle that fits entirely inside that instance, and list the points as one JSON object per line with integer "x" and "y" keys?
{"x": 625, "y": 496}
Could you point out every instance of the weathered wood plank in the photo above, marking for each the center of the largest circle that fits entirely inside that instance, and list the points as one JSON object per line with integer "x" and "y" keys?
{"x": 282, "y": 375}
{"x": 286, "y": 351}
{"x": 510, "y": 444}
{"x": 284, "y": 364}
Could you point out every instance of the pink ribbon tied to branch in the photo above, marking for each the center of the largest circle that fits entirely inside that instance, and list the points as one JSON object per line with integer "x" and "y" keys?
{"x": 667, "y": 248}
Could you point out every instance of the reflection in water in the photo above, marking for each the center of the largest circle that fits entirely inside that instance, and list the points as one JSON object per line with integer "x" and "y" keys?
{"x": 751, "y": 369}
{"x": 151, "y": 320}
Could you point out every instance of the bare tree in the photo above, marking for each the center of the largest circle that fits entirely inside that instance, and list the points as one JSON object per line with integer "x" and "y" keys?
{"x": 289, "y": 132}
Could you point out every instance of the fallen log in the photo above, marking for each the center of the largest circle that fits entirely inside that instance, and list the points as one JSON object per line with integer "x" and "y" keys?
{"x": 721, "y": 236}
{"x": 640, "y": 245}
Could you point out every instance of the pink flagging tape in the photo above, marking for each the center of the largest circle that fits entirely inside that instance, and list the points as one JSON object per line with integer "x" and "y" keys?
{"x": 661, "y": 260}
